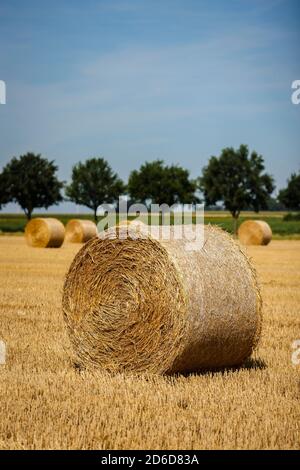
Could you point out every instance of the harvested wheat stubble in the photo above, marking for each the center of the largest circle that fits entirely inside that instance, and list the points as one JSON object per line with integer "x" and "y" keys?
{"x": 80, "y": 231}
{"x": 45, "y": 233}
{"x": 146, "y": 305}
{"x": 255, "y": 232}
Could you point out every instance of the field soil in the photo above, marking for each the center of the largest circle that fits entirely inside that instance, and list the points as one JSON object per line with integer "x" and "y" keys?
{"x": 47, "y": 404}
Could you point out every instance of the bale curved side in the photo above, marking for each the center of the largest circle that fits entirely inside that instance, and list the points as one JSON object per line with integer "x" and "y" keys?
{"x": 255, "y": 232}
{"x": 45, "y": 233}
{"x": 80, "y": 231}
{"x": 149, "y": 305}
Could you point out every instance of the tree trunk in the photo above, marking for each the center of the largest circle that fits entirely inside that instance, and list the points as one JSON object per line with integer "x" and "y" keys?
{"x": 28, "y": 213}
{"x": 235, "y": 224}
{"x": 95, "y": 216}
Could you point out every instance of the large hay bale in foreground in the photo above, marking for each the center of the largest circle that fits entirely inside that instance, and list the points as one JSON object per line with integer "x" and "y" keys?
{"x": 255, "y": 232}
{"x": 45, "y": 233}
{"x": 80, "y": 231}
{"x": 149, "y": 305}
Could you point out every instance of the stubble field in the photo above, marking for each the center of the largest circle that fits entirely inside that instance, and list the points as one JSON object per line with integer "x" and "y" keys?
{"x": 47, "y": 404}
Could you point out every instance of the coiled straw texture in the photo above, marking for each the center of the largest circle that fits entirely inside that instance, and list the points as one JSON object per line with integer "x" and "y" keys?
{"x": 148, "y": 305}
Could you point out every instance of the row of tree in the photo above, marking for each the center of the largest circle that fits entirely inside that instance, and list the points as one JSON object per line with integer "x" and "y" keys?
{"x": 236, "y": 179}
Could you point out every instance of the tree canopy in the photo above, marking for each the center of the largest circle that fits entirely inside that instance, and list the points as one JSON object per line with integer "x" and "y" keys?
{"x": 238, "y": 180}
{"x": 4, "y": 195}
{"x": 31, "y": 182}
{"x": 161, "y": 184}
{"x": 290, "y": 196}
{"x": 94, "y": 183}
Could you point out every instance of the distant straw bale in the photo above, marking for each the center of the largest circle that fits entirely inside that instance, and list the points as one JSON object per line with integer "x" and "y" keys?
{"x": 45, "y": 233}
{"x": 80, "y": 231}
{"x": 255, "y": 232}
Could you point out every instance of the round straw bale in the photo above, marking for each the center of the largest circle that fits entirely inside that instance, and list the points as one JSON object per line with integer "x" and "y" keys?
{"x": 80, "y": 231}
{"x": 45, "y": 233}
{"x": 147, "y": 305}
{"x": 255, "y": 232}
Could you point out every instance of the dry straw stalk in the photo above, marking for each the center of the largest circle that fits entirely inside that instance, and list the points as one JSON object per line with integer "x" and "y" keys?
{"x": 149, "y": 305}
{"x": 45, "y": 233}
{"x": 80, "y": 231}
{"x": 255, "y": 232}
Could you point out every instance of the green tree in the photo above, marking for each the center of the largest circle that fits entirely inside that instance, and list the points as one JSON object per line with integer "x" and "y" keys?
{"x": 94, "y": 183}
{"x": 275, "y": 205}
{"x": 237, "y": 179}
{"x": 290, "y": 196}
{"x": 161, "y": 184}
{"x": 31, "y": 182}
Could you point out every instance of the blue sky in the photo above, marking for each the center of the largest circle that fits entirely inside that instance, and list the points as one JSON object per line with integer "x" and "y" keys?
{"x": 139, "y": 80}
